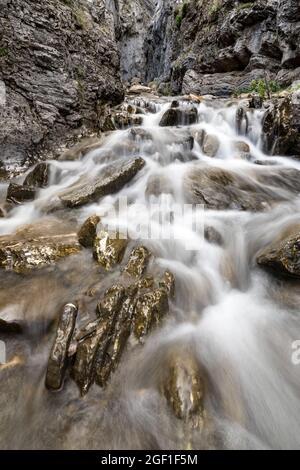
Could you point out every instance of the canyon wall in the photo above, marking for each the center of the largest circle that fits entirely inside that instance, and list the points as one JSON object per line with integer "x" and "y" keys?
{"x": 59, "y": 65}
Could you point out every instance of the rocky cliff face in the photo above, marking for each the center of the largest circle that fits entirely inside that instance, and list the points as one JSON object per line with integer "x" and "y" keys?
{"x": 220, "y": 46}
{"x": 59, "y": 65}
{"x": 135, "y": 19}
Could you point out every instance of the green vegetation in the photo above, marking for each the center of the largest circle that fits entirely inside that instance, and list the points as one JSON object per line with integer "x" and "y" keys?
{"x": 243, "y": 6}
{"x": 181, "y": 13}
{"x": 264, "y": 88}
{"x": 215, "y": 8}
{"x": 3, "y": 51}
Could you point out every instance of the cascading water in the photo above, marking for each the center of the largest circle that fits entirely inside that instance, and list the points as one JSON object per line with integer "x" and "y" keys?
{"x": 239, "y": 321}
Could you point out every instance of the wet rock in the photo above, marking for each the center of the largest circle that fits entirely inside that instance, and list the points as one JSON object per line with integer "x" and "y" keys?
{"x": 31, "y": 247}
{"x": 57, "y": 363}
{"x": 138, "y": 262}
{"x": 168, "y": 283}
{"x": 213, "y": 236}
{"x": 150, "y": 310}
{"x": 242, "y": 121}
{"x": 10, "y": 327}
{"x": 255, "y": 102}
{"x": 111, "y": 180}
{"x": 39, "y": 176}
{"x": 184, "y": 388}
{"x": 88, "y": 231}
{"x": 242, "y": 147}
{"x": 111, "y": 301}
{"x": 80, "y": 150}
{"x": 282, "y": 257}
{"x": 140, "y": 133}
{"x": 157, "y": 185}
{"x": 217, "y": 188}
{"x": 178, "y": 116}
{"x": 19, "y": 194}
{"x": 83, "y": 371}
{"x": 3, "y": 212}
{"x": 123, "y": 120}
{"x": 281, "y": 126}
{"x": 109, "y": 249}
{"x": 108, "y": 360}
{"x": 210, "y": 146}
{"x": 139, "y": 90}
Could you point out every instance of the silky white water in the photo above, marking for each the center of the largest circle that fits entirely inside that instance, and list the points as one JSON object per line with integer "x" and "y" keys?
{"x": 239, "y": 321}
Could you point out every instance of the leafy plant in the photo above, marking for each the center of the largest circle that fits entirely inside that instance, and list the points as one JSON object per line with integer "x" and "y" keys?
{"x": 262, "y": 87}
{"x": 246, "y": 5}
{"x": 3, "y": 51}
{"x": 181, "y": 13}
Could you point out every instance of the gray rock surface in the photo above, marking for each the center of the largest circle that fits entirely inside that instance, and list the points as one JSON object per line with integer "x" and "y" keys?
{"x": 59, "y": 64}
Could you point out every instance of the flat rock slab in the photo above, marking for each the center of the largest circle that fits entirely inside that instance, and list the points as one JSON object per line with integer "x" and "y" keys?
{"x": 113, "y": 178}
{"x": 37, "y": 245}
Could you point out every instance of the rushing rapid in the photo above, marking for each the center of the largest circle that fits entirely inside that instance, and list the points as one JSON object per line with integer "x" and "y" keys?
{"x": 239, "y": 321}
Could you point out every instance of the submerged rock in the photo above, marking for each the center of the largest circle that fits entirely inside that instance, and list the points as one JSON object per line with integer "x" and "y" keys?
{"x": 282, "y": 257}
{"x": 19, "y": 194}
{"x": 211, "y": 145}
{"x": 184, "y": 388}
{"x": 57, "y": 363}
{"x": 137, "y": 262}
{"x": 88, "y": 231}
{"x": 213, "y": 236}
{"x": 31, "y": 248}
{"x": 39, "y": 176}
{"x": 109, "y": 249}
{"x": 220, "y": 189}
{"x": 111, "y": 180}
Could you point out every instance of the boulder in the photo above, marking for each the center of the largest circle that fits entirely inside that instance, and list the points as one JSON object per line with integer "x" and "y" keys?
{"x": 211, "y": 145}
{"x": 109, "y": 249}
{"x": 88, "y": 231}
{"x": 213, "y": 236}
{"x": 281, "y": 126}
{"x": 242, "y": 147}
{"x": 19, "y": 194}
{"x": 35, "y": 247}
{"x": 39, "y": 176}
{"x": 179, "y": 117}
{"x": 282, "y": 257}
{"x": 58, "y": 359}
{"x": 220, "y": 189}
{"x": 184, "y": 388}
{"x": 110, "y": 181}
